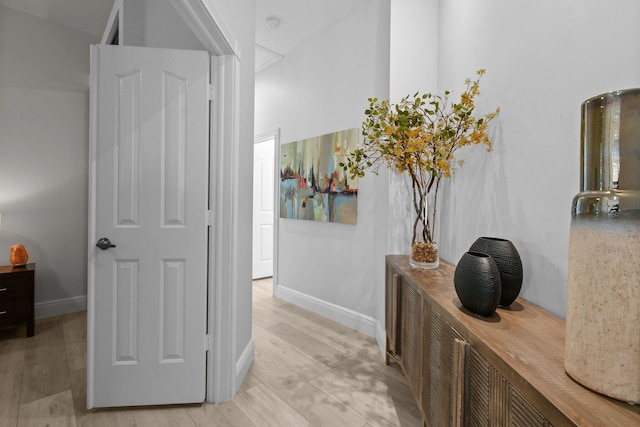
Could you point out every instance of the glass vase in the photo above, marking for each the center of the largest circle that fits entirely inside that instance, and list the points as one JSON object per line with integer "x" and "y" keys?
{"x": 603, "y": 309}
{"x": 424, "y": 249}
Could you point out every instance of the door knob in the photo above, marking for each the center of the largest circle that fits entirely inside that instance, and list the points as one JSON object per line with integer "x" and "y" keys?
{"x": 105, "y": 243}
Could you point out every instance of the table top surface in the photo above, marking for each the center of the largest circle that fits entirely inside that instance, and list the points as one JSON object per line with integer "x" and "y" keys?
{"x": 523, "y": 338}
{"x": 6, "y": 269}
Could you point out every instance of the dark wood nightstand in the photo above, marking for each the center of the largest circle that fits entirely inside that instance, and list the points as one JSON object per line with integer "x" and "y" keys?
{"x": 17, "y": 296}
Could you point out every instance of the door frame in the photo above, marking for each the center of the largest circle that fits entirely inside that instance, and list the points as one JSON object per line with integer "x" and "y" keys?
{"x": 224, "y": 369}
{"x": 258, "y": 138}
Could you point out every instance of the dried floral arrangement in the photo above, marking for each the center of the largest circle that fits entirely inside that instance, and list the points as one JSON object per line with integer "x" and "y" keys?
{"x": 419, "y": 136}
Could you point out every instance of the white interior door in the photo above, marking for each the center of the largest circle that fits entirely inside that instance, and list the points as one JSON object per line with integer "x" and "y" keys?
{"x": 149, "y": 197}
{"x": 263, "y": 196}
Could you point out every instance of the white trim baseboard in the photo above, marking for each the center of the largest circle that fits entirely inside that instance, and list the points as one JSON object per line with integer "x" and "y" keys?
{"x": 381, "y": 339}
{"x": 59, "y": 307}
{"x": 358, "y": 321}
{"x": 243, "y": 364}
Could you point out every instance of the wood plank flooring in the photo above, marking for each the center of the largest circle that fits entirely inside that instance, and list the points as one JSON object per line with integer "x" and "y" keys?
{"x": 308, "y": 371}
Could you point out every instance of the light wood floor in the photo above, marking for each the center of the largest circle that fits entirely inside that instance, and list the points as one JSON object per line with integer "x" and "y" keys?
{"x": 308, "y": 371}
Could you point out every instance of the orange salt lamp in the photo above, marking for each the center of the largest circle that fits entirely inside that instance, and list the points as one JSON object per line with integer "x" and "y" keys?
{"x": 19, "y": 255}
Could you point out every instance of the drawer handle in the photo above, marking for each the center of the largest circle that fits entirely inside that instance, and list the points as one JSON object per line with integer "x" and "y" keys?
{"x": 3, "y": 289}
{"x": 2, "y": 312}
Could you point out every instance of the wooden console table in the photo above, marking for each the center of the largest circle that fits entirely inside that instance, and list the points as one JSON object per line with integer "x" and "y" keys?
{"x": 464, "y": 369}
{"x": 17, "y": 296}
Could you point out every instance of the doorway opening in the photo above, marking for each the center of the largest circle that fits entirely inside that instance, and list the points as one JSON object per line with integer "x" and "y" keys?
{"x": 265, "y": 205}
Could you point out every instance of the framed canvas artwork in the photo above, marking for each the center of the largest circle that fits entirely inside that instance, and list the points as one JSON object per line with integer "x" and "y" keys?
{"x": 313, "y": 186}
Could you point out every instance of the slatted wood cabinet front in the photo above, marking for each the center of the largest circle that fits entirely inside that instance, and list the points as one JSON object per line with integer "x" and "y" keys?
{"x": 465, "y": 370}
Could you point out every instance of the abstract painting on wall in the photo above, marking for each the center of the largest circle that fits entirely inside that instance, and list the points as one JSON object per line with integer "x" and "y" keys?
{"x": 313, "y": 186}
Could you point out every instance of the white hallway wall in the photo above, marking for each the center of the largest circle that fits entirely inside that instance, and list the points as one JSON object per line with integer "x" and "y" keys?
{"x": 44, "y": 129}
{"x": 413, "y": 67}
{"x": 321, "y": 88}
{"x": 542, "y": 59}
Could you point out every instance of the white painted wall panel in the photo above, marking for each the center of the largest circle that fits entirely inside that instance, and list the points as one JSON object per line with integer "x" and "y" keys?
{"x": 44, "y": 99}
{"x": 321, "y": 88}
{"x": 543, "y": 59}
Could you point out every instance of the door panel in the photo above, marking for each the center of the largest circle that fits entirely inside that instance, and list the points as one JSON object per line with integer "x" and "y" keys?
{"x": 147, "y": 295}
{"x": 263, "y": 205}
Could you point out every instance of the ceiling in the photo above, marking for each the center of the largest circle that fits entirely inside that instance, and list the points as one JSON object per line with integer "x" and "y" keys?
{"x": 297, "y": 20}
{"x": 87, "y": 16}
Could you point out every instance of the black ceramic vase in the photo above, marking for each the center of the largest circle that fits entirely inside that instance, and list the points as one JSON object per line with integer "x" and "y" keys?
{"x": 509, "y": 264}
{"x": 477, "y": 283}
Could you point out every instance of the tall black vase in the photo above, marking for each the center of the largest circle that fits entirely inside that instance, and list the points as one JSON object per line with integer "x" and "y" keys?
{"x": 477, "y": 283}
{"x": 509, "y": 264}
